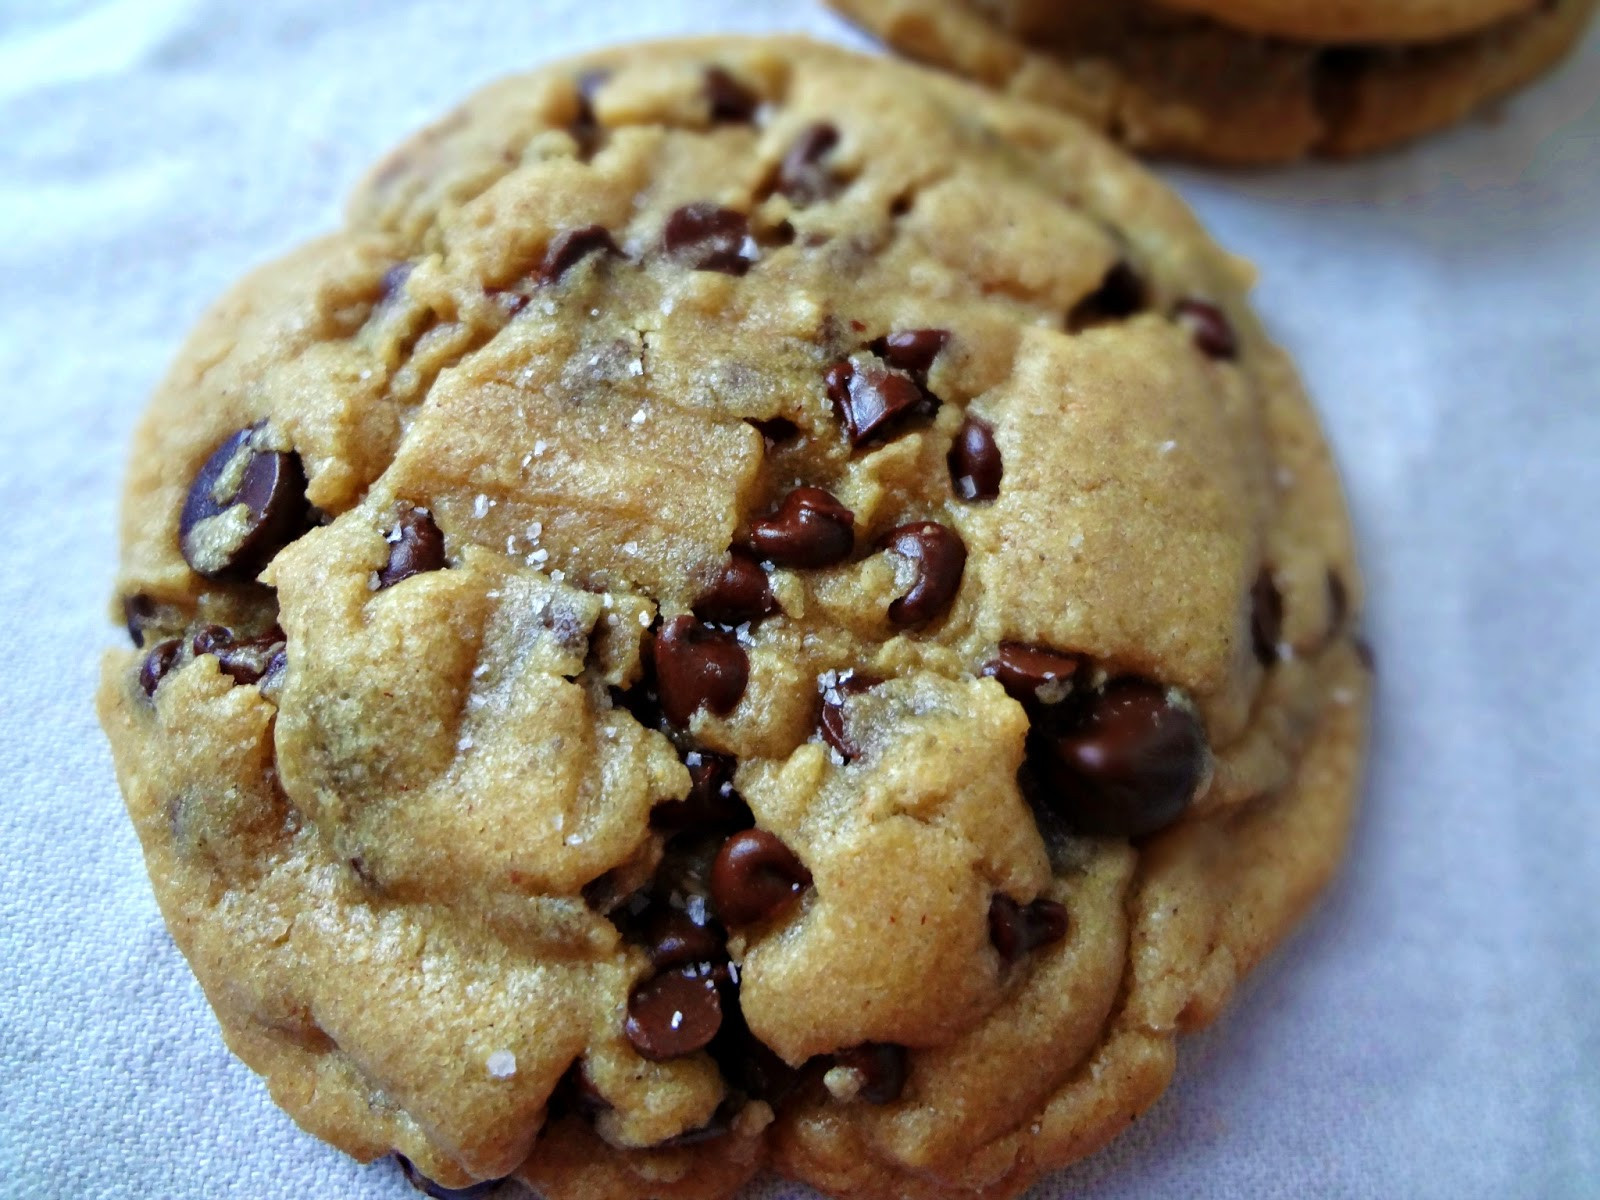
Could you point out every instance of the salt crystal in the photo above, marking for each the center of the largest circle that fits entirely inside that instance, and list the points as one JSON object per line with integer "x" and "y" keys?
{"x": 558, "y": 576}
{"x": 502, "y": 1064}
{"x": 481, "y": 506}
{"x": 638, "y": 418}
{"x": 539, "y": 447}
{"x": 538, "y": 556}
{"x": 466, "y": 743}
{"x": 1168, "y": 447}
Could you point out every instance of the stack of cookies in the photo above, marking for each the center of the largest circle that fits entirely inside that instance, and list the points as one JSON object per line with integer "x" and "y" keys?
{"x": 760, "y": 608}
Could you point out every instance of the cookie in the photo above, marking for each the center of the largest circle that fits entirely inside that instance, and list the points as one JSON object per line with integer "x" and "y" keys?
{"x": 1240, "y": 81}
{"x": 755, "y": 607}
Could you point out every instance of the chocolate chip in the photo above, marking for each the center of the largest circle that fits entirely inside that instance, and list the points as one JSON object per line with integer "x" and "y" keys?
{"x": 139, "y": 614}
{"x": 1033, "y": 674}
{"x": 810, "y": 528}
{"x": 570, "y": 247}
{"x": 698, "y": 667}
{"x": 720, "y": 1125}
{"x": 712, "y": 802}
{"x": 802, "y": 177}
{"x": 1208, "y": 326}
{"x": 756, "y": 877}
{"x": 586, "y": 128}
{"x": 478, "y": 1191}
{"x": 1016, "y": 930}
{"x": 416, "y": 546}
{"x": 869, "y": 397}
{"x": 939, "y": 557}
{"x": 706, "y": 237}
{"x": 674, "y": 1014}
{"x": 394, "y": 282}
{"x": 1126, "y": 765}
{"x": 672, "y": 939}
{"x": 246, "y": 660}
{"x": 913, "y": 349}
{"x": 244, "y": 506}
{"x": 883, "y": 1067}
{"x": 730, "y": 100}
{"x": 741, "y": 592}
{"x": 1266, "y": 617}
{"x": 832, "y": 723}
{"x": 157, "y": 664}
{"x": 1120, "y": 294}
{"x": 975, "y": 465}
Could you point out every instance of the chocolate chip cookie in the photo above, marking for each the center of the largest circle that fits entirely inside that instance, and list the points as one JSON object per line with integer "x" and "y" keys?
{"x": 755, "y": 607}
{"x": 1242, "y": 81}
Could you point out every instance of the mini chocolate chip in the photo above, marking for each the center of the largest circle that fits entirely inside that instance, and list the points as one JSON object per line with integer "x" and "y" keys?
{"x": 756, "y": 877}
{"x": 730, "y": 100}
{"x": 478, "y": 1191}
{"x": 586, "y": 128}
{"x": 1016, "y": 930}
{"x": 720, "y": 1125}
{"x": 674, "y": 1015}
{"x": 1266, "y": 617}
{"x": 1033, "y": 674}
{"x": 741, "y": 592}
{"x": 570, "y": 247}
{"x": 832, "y": 723}
{"x": 712, "y": 802}
{"x": 975, "y": 465}
{"x": 698, "y": 667}
{"x": 707, "y": 237}
{"x": 810, "y": 528}
{"x": 913, "y": 349}
{"x": 157, "y": 664}
{"x": 672, "y": 939}
{"x": 1208, "y": 326}
{"x": 802, "y": 177}
{"x": 244, "y": 506}
{"x": 1338, "y": 603}
{"x": 1121, "y": 294}
{"x": 883, "y": 1068}
{"x": 870, "y": 397}
{"x": 940, "y": 558}
{"x": 1127, "y": 765}
{"x": 139, "y": 613}
{"x": 416, "y": 546}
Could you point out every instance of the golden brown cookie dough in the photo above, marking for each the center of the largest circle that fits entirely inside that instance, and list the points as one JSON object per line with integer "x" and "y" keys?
{"x": 1239, "y": 81}
{"x": 756, "y": 606}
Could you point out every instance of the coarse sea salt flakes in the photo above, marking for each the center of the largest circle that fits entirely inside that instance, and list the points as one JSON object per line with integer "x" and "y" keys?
{"x": 502, "y": 1064}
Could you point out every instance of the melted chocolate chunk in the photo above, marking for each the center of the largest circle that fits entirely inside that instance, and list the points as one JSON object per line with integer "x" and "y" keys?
{"x": 416, "y": 546}
{"x": 698, "y": 667}
{"x": 570, "y": 247}
{"x": 913, "y": 350}
{"x": 1121, "y": 294}
{"x": 675, "y": 1014}
{"x": 871, "y": 398}
{"x": 707, "y": 237}
{"x": 1208, "y": 326}
{"x": 244, "y": 506}
{"x": 741, "y": 592}
{"x": 1016, "y": 929}
{"x": 1266, "y": 617}
{"x": 139, "y": 613}
{"x": 244, "y": 659}
{"x": 810, "y": 528}
{"x": 1123, "y": 763}
{"x": 756, "y": 877}
{"x": 884, "y": 1069}
{"x": 1033, "y": 674}
{"x": 673, "y": 939}
{"x": 802, "y": 175}
{"x": 940, "y": 558}
{"x": 975, "y": 464}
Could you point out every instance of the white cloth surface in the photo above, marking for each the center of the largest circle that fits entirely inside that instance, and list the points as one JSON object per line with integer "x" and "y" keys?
{"x": 1434, "y": 1031}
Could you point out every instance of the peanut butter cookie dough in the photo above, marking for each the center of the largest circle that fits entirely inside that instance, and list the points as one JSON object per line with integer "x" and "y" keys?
{"x": 755, "y": 607}
{"x": 1242, "y": 81}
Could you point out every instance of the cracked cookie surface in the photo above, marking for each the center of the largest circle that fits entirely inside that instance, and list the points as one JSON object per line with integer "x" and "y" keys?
{"x": 756, "y": 607}
{"x": 1241, "y": 81}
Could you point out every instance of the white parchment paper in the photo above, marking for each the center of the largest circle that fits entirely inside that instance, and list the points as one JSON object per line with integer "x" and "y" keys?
{"x": 1434, "y": 1031}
